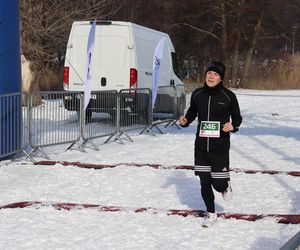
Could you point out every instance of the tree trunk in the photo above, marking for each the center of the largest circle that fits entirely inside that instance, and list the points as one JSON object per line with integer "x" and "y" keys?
{"x": 224, "y": 31}
{"x": 235, "y": 60}
{"x": 248, "y": 60}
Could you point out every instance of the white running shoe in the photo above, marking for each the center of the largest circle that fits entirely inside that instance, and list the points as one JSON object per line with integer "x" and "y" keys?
{"x": 227, "y": 194}
{"x": 209, "y": 220}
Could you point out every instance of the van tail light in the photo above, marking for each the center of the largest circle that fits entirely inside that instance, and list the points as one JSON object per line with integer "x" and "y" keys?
{"x": 133, "y": 77}
{"x": 133, "y": 80}
{"x": 66, "y": 77}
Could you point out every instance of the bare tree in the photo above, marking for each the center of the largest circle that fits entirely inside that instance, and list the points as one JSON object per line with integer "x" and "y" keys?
{"x": 45, "y": 27}
{"x": 224, "y": 30}
{"x": 238, "y": 13}
{"x": 231, "y": 30}
{"x": 255, "y": 37}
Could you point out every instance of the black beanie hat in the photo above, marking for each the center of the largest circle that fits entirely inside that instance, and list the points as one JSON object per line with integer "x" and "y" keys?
{"x": 218, "y": 67}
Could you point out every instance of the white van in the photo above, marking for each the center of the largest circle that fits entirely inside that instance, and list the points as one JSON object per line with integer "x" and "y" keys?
{"x": 122, "y": 59}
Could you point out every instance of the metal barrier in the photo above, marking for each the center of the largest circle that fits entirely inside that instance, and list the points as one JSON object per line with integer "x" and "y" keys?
{"x": 25, "y": 121}
{"x": 25, "y": 127}
{"x": 179, "y": 105}
{"x": 165, "y": 103}
{"x": 134, "y": 108}
{"x": 180, "y": 101}
{"x": 100, "y": 117}
{"x": 57, "y": 117}
{"x": 133, "y": 112}
{"x": 55, "y": 121}
{"x": 10, "y": 125}
{"x": 167, "y": 108}
{"x": 293, "y": 243}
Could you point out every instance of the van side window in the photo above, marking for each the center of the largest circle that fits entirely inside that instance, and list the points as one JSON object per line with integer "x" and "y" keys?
{"x": 175, "y": 64}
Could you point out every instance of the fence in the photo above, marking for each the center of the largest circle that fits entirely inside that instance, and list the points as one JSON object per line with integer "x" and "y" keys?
{"x": 57, "y": 117}
{"x": 11, "y": 124}
{"x": 100, "y": 117}
{"x": 169, "y": 105}
{"x": 293, "y": 243}
{"x": 51, "y": 123}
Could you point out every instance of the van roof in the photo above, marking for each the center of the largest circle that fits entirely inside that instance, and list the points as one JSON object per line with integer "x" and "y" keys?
{"x": 120, "y": 23}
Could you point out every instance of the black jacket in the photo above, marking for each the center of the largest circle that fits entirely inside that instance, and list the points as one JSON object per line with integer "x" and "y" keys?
{"x": 214, "y": 104}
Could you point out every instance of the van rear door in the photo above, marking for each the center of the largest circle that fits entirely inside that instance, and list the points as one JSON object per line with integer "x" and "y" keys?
{"x": 111, "y": 57}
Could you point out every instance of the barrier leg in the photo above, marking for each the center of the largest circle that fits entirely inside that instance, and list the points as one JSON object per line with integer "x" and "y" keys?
{"x": 90, "y": 142}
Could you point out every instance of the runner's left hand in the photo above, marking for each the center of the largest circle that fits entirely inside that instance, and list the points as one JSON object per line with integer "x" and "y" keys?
{"x": 227, "y": 127}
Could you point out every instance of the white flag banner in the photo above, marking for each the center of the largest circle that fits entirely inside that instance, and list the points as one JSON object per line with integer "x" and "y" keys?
{"x": 157, "y": 60}
{"x": 88, "y": 81}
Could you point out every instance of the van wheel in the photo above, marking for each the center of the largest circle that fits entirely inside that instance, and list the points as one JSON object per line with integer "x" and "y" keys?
{"x": 78, "y": 116}
{"x": 143, "y": 111}
{"x": 124, "y": 118}
{"x": 181, "y": 103}
{"x": 88, "y": 116}
{"x": 113, "y": 117}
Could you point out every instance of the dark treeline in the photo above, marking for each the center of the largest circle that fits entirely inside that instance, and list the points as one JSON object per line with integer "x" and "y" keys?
{"x": 250, "y": 36}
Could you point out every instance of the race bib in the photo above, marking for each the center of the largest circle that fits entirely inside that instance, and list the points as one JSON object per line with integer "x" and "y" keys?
{"x": 209, "y": 129}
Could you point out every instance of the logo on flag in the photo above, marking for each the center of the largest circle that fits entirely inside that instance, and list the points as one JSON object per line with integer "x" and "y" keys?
{"x": 157, "y": 60}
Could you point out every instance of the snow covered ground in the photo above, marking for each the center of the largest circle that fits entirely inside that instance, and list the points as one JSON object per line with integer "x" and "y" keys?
{"x": 269, "y": 139}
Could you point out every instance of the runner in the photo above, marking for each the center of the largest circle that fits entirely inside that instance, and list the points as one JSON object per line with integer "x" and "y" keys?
{"x": 218, "y": 114}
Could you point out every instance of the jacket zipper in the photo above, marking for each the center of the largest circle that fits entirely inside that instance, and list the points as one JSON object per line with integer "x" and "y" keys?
{"x": 208, "y": 117}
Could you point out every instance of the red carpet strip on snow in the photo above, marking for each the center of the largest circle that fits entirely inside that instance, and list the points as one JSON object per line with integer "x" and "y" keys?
{"x": 280, "y": 218}
{"x": 160, "y": 166}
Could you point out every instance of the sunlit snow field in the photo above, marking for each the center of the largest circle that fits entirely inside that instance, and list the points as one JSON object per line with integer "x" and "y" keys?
{"x": 269, "y": 139}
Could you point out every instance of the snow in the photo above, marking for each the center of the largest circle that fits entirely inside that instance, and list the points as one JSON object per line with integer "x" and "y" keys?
{"x": 269, "y": 139}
